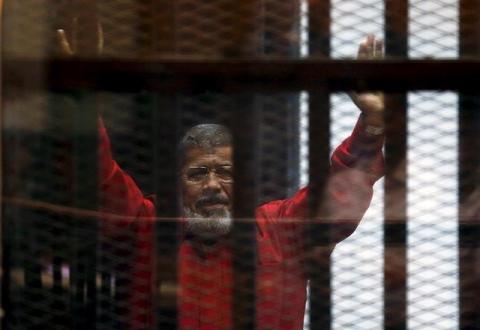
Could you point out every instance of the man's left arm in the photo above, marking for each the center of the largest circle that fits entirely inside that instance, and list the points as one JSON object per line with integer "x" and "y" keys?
{"x": 358, "y": 162}
{"x": 355, "y": 165}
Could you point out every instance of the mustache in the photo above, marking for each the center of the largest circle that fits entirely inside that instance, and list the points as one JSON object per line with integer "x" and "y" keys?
{"x": 211, "y": 199}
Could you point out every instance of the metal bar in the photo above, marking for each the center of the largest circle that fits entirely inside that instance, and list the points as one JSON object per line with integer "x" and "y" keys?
{"x": 245, "y": 42}
{"x": 33, "y": 290}
{"x": 46, "y": 166}
{"x": 319, "y": 239}
{"x": 396, "y": 28}
{"x": 165, "y": 141}
{"x": 7, "y": 262}
{"x": 319, "y": 19}
{"x": 279, "y": 112}
{"x": 84, "y": 189}
{"x": 318, "y": 231}
{"x": 469, "y": 176}
{"x": 469, "y": 231}
{"x": 395, "y": 199}
{"x": 5, "y": 234}
{"x": 244, "y": 248}
{"x": 395, "y": 234}
{"x": 85, "y": 166}
{"x": 235, "y": 76}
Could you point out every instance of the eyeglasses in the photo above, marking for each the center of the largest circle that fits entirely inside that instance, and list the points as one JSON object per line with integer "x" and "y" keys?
{"x": 201, "y": 173}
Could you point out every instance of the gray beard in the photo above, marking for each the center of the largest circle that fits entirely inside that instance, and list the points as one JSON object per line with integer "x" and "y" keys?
{"x": 211, "y": 227}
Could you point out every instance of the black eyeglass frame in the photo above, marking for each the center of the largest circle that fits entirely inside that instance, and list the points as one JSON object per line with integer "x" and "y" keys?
{"x": 199, "y": 174}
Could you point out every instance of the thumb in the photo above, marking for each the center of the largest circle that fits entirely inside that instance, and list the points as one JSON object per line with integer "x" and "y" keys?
{"x": 64, "y": 45}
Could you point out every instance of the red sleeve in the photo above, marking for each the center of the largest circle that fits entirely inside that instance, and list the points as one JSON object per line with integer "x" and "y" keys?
{"x": 121, "y": 201}
{"x": 355, "y": 166}
{"x": 360, "y": 151}
{"x": 127, "y": 223}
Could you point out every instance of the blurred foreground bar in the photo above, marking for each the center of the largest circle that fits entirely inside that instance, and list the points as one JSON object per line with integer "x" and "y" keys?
{"x": 318, "y": 232}
{"x": 469, "y": 176}
{"x": 395, "y": 199}
{"x": 245, "y": 75}
{"x": 245, "y": 128}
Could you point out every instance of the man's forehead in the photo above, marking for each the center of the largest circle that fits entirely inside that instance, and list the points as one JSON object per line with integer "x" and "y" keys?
{"x": 213, "y": 154}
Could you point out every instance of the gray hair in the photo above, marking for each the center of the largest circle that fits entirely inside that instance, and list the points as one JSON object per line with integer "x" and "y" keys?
{"x": 205, "y": 137}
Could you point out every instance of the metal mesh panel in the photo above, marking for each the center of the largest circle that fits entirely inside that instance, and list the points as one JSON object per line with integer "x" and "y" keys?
{"x": 433, "y": 243}
{"x": 52, "y": 249}
{"x": 69, "y": 262}
{"x": 357, "y": 262}
{"x": 207, "y": 29}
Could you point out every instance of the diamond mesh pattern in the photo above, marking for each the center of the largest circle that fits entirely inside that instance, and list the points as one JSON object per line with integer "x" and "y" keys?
{"x": 63, "y": 261}
{"x": 433, "y": 256}
{"x": 358, "y": 261}
{"x": 434, "y": 29}
{"x": 351, "y": 22}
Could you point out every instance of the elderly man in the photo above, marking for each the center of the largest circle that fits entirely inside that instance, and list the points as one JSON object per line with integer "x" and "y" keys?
{"x": 204, "y": 256}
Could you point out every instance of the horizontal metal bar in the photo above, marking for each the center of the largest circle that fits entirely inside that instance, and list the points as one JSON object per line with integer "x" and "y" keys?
{"x": 241, "y": 75}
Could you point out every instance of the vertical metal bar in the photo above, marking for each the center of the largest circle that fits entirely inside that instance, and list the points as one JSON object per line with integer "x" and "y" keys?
{"x": 166, "y": 178}
{"x": 244, "y": 247}
{"x": 278, "y": 136}
{"x": 318, "y": 231}
{"x": 469, "y": 223}
{"x": 27, "y": 224}
{"x": 84, "y": 171}
{"x": 48, "y": 179}
{"x": 245, "y": 42}
{"x": 319, "y": 235}
{"x": 7, "y": 243}
{"x": 4, "y": 245}
{"x": 395, "y": 233}
{"x": 396, "y": 28}
{"x": 469, "y": 175}
{"x": 5, "y": 235}
{"x": 85, "y": 186}
{"x": 319, "y": 15}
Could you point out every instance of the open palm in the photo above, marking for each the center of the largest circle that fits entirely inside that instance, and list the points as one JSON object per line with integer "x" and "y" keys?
{"x": 369, "y": 102}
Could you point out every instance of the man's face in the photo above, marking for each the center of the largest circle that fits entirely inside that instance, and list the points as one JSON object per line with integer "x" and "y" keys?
{"x": 207, "y": 187}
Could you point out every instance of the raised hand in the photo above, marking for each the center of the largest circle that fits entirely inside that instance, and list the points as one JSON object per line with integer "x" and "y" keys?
{"x": 70, "y": 47}
{"x": 372, "y": 104}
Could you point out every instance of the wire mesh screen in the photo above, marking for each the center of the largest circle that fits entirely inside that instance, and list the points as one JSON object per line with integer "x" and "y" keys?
{"x": 54, "y": 234}
{"x": 100, "y": 194}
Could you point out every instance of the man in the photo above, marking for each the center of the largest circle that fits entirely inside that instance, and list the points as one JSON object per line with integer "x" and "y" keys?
{"x": 205, "y": 257}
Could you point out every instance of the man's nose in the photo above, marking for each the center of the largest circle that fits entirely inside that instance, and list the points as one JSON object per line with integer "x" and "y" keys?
{"x": 212, "y": 181}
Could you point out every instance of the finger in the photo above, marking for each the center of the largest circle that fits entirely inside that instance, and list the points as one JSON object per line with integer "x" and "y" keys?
{"x": 378, "y": 52}
{"x": 371, "y": 38}
{"x": 65, "y": 48}
{"x": 370, "y": 45}
{"x": 100, "y": 38}
{"x": 362, "y": 50}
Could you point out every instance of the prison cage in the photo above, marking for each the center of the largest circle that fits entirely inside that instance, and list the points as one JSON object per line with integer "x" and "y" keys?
{"x": 275, "y": 72}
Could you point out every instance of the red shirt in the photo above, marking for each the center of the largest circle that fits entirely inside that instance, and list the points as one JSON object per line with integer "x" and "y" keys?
{"x": 205, "y": 279}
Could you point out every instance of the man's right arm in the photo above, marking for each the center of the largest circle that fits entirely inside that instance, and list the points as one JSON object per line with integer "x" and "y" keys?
{"x": 121, "y": 201}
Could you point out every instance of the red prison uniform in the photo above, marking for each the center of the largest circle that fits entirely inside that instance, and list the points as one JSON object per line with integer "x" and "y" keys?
{"x": 205, "y": 279}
